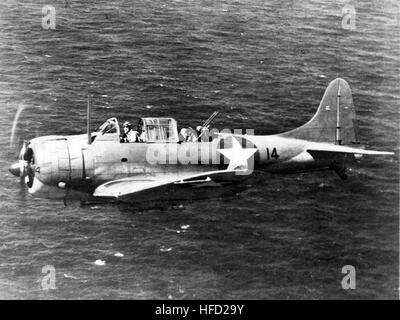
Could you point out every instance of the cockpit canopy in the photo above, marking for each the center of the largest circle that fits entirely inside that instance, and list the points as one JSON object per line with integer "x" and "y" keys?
{"x": 159, "y": 129}
{"x": 152, "y": 130}
{"x": 110, "y": 126}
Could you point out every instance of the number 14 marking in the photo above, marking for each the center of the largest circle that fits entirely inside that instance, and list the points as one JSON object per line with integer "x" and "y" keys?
{"x": 274, "y": 154}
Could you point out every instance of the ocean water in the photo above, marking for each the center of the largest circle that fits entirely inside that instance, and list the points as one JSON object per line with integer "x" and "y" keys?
{"x": 264, "y": 65}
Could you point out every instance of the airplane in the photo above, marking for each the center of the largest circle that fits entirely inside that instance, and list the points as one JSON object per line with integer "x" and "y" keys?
{"x": 97, "y": 166}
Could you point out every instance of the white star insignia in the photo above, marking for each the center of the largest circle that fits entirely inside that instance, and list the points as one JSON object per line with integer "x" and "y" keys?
{"x": 238, "y": 156}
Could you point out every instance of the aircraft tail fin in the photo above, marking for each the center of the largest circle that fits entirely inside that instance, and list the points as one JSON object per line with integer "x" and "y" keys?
{"x": 335, "y": 120}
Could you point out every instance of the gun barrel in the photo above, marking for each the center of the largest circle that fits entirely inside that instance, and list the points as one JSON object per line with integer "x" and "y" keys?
{"x": 211, "y": 118}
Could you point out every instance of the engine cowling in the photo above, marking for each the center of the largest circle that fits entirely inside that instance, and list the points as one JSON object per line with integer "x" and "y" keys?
{"x": 57, "y": 164}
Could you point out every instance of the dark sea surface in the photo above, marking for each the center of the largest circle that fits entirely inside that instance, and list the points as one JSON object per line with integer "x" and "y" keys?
{"x": 264, "y": 65}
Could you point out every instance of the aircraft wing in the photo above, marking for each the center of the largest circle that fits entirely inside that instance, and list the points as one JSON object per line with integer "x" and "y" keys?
{"x": 120, "y": 188}
{"x": 320, "y": 148}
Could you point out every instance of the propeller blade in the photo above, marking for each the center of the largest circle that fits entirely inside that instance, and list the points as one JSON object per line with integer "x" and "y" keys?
{"x": 15, "y": 123}
{"x": 15, "y": 169}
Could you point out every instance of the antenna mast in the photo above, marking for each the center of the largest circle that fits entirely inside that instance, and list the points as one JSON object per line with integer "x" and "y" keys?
{"x": 89, "y": 134}
{"x": 338, "y": 117}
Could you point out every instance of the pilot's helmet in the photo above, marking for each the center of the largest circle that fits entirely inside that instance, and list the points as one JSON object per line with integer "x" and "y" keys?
{"x": 127, "y": 124}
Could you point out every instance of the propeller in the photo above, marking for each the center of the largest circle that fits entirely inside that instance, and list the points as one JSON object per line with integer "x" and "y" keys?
{"x": 23, "y": 168}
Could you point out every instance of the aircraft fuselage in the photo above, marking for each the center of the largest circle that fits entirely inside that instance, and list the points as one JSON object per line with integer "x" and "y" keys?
{"x": 69, "y": 163}
{"x": 98, "y": 165}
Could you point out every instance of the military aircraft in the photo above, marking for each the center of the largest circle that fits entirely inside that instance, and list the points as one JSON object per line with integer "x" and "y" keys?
{"x": 98, "y": 166}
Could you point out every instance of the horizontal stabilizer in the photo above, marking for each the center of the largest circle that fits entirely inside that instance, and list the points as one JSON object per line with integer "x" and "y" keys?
{"x": 325, "y": 147}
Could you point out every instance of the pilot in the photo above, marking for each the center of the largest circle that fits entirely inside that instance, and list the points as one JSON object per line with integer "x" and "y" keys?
{"x": 129, "y": 134}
